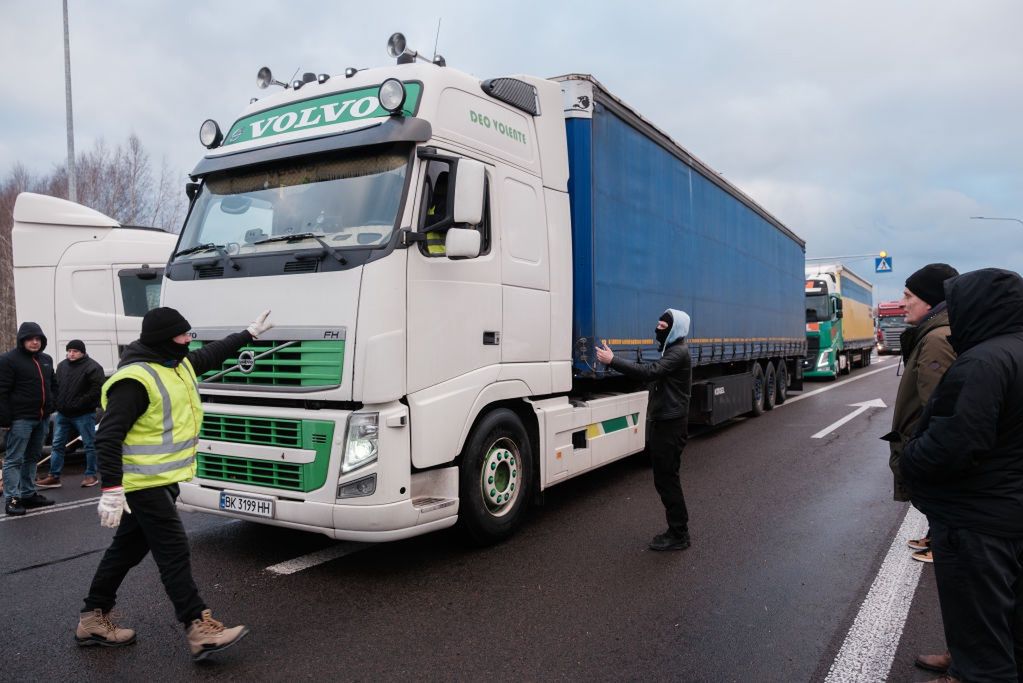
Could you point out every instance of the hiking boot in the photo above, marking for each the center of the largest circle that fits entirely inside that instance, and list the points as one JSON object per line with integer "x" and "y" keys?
{"x": 207, "y": 635}
{"x": 48, "y": 482}
{"x": 89, "y": 481}
{"x": 96, "y": 628}
{"x": 919, "y": 543}
{"x": 36, "y": 500}
{"x": 923, "y": 556}
{"x": 939, "y": 663}
{"x": 669, "y": 541}
{"x": 14, "y": 508}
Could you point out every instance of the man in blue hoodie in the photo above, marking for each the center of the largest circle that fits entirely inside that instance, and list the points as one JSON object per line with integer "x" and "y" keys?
{"x": 26, "y": 401}
{"x": 670, "y": 381}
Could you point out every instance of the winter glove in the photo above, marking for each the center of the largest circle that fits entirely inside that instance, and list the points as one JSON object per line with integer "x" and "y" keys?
{"x": 111, "y": 505}
{"x": 260, "y": 324}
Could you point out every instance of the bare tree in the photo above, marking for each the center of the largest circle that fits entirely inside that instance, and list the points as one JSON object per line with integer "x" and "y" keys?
{"x": 119, "y": 182}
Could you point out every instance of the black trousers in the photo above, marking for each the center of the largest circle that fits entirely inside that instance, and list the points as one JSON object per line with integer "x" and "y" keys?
{"x": 153, "y": 526}
{"x": 980, "y": 588}
{"x": 665, "y": 442}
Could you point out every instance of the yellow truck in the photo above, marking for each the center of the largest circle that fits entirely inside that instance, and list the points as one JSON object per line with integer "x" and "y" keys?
{"x": 839, "y": 321}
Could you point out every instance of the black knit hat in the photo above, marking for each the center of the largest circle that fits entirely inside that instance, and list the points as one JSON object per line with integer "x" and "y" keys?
{"x": 76, "y": 344}
{"x": 928, "y": 283}
{"x": 162, "y": 324}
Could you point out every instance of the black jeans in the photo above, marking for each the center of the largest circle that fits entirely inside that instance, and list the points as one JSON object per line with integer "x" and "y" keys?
{"x": 153, "y": 526}
{"x": 980, "y": 588}
{"x": 666, "y": 440}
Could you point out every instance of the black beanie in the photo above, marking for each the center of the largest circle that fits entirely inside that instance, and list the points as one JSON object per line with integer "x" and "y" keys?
{"x": 928, "y": 283}
{"x": 162, "y": 324}
{"x": 76, "y": 344}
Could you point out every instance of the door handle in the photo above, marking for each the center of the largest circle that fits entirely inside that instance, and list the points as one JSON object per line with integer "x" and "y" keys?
{"x": 491, "y": 338}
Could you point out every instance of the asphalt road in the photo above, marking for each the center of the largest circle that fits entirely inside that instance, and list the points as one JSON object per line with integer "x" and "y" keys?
{"x": 789, "y": 533}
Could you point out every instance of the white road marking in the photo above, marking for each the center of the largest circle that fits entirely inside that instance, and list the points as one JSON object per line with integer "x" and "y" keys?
{"x": 869, "y": 648}
{"x": 59, "y": 507}
{"x": 808, "y": 394}
{"x": 861, "y": 408}
{"x": 319, "y": 557}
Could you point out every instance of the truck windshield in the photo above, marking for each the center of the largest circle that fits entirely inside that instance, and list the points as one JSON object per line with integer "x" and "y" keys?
{"x": 817, "y": 308}
{"x": 350, "y": 203}
{"x": 892, "y": 321}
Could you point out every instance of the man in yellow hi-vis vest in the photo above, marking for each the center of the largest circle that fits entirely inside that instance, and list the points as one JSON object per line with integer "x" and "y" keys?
{"x": 436, "y": 239}
{"x": 146, "y": 445}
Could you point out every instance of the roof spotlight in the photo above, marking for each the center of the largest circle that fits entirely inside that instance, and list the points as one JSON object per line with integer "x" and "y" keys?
{"x": 392, "y": 95}
{"x": 209, "y": 134}
{"x": 264, "y": 79}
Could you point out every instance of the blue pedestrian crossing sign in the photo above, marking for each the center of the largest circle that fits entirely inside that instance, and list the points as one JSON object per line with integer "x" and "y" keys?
{"x": 883, "y": 264}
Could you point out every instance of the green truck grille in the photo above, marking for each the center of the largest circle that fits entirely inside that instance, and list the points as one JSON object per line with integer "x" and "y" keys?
{"x": 307, "y": 363}
{"x": 315, "y": 435}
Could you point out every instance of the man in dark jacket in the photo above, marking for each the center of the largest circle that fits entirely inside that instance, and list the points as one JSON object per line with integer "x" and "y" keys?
{"x": 670, "y": 384}
{"x": 78, "y": 383}
{"x": 964, "y": 470}
{"x": 927, "y": 355}
{"x": 26, "y": 400}
{"x": 147, "y": 445}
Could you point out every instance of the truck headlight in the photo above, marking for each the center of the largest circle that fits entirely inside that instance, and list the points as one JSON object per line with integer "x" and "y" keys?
{"x": 824, "y": 360}
{"x": 361, "y": 446}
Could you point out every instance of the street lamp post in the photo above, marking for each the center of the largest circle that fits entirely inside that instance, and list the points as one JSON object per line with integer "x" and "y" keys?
{"x": 72, "y": 190}
{"x": 993, "y": 218}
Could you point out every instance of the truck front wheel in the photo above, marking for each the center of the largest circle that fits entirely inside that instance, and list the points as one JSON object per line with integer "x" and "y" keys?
{"x": 495, "y": 478}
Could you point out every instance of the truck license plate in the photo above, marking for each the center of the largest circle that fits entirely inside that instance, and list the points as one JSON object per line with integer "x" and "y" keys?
{"x": 249, "y": 505}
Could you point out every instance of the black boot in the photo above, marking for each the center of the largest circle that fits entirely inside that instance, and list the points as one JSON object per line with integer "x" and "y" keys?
{"x": 36, "y": 500}
{"x": 14, "y": 507}
{"x": 669, "y": 540}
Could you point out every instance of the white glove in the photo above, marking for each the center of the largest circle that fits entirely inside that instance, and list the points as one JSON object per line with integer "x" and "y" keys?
{"x": 260, "y": 324}
{"x": 111, "y": 505}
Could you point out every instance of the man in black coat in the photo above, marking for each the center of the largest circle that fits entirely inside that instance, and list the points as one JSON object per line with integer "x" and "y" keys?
{"x": 26, "y": 400}
{"x": 964, "y": 469}
{"x": 79, "y": 380}
{"x": 670, "y": 381}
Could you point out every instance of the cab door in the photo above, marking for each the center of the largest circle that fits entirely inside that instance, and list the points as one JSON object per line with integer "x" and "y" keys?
{"x": 454, "y": 305}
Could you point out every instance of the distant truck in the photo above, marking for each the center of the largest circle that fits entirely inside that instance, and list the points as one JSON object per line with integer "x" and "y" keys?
{"x": 82, "y": 275}
{"x": 891, "y": 321}
{"x": 839, "y": 321}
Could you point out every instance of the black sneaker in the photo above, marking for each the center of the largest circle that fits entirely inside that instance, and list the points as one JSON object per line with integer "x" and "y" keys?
{"x": 669, "y": 541}
{"x": 14, "y": 507}
{"x": 36, "y": 500}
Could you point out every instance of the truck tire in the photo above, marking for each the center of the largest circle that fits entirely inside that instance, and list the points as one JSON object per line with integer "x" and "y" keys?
{"x": 770, "y": 387}
{"x": 758, "y": 390}
{"x": 495, "y": 478}
{"x": 782, "y": 382}
{"x": 843, "y": 364}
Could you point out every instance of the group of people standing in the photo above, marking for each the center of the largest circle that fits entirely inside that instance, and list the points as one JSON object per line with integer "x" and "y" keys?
{"x": 957, "y": 454}
{"x": 30, "y": 390}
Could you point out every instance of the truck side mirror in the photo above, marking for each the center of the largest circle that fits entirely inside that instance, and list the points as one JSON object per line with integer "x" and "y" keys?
{"x": 838, "y": 313}
{"x": 469, "y": 179}
{"x": 462, "y": 243}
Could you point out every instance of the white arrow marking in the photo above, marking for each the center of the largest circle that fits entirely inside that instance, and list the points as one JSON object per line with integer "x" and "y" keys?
{"x": 860, "y": 408}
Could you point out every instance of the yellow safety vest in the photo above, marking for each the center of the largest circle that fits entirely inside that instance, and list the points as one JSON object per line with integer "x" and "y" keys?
{"x": 159, "y": 449}
{"x": 435, "y": 239}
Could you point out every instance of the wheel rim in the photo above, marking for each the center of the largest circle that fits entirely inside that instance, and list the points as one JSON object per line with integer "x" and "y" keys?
{"x": 499, "y": 477}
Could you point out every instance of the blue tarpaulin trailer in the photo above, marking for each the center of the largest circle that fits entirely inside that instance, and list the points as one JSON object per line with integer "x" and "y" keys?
{"x": 655, "y": 228}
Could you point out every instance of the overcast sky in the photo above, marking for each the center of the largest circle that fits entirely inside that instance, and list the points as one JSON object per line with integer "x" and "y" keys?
{"x": 861, "y": 125}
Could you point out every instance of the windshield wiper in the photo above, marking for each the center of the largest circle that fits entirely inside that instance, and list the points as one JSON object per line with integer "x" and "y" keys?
{"x": 209, "y": 246}
{"x": 327, "y": 249}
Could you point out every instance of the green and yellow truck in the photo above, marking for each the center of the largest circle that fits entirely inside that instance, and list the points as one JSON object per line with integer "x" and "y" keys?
{"x": 839, "y": 321}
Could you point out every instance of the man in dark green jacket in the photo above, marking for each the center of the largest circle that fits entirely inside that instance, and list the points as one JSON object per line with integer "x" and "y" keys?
{"x": 670, "y": 381}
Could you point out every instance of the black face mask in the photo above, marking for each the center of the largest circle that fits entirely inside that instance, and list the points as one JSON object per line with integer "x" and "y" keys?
{"x": 172, "y": 352}
{"x": 661, "y": 336}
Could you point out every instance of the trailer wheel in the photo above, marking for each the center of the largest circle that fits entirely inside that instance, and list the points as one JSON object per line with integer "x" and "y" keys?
{"x": 495, "y": 478}
{"x": 758, "y": 390}
{"x": 782, "y": 383}
{"x": 770, "y": 387}
{"x": 868, "y": 357}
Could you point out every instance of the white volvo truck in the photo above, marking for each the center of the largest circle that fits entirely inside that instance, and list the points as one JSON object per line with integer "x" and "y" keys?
{"x": 411, "y": 229}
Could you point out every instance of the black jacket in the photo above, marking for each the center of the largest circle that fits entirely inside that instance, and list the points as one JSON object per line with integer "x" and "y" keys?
{"x": 78, "y": 385}
{"x": 127, "y": 399}
{"x": 670, "y": 380}
{"x": 26, "y": 380}
{"x": 965, "y": 464}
